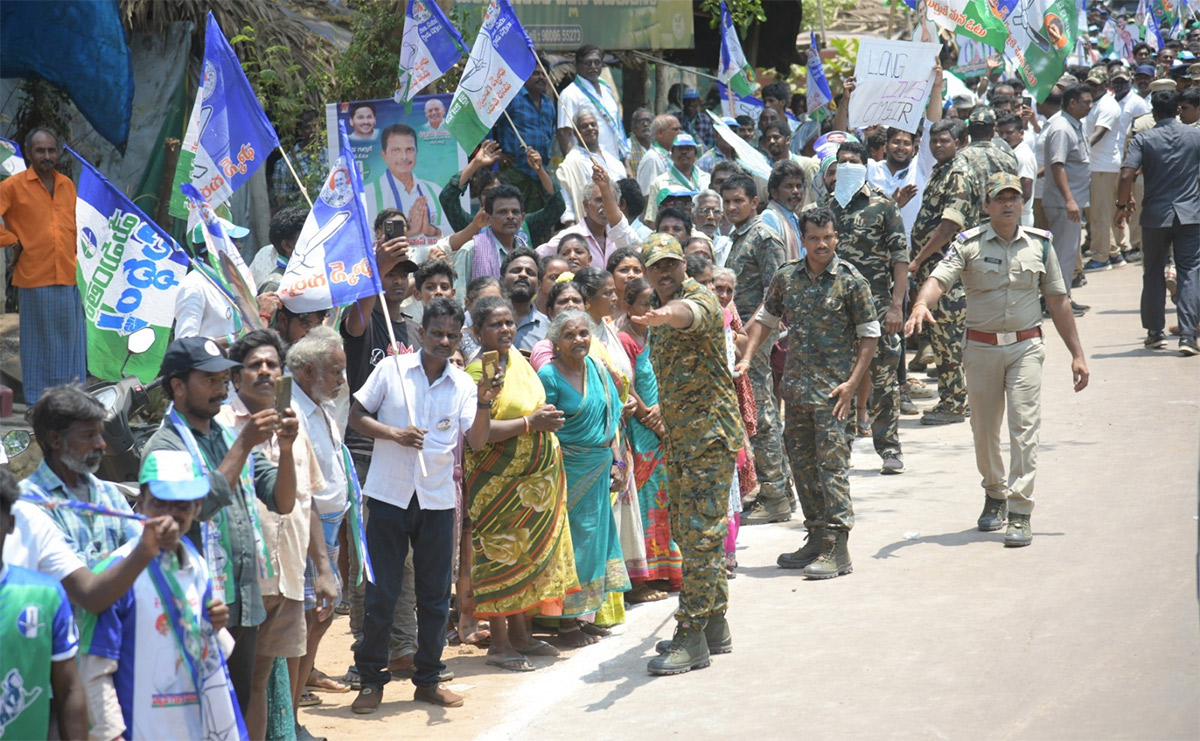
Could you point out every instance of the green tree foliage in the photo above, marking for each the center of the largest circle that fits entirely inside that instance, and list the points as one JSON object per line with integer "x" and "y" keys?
{"x": 744, "y": 12}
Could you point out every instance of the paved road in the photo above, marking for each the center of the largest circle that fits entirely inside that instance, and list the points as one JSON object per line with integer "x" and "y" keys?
{"x": 940, "y": 632}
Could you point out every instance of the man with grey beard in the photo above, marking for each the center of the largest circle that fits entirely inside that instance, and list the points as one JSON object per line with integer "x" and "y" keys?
{"x": 68, "y": 424}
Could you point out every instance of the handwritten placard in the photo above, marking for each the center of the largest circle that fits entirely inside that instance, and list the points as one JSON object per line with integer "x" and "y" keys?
{"x": 893, "y": 82}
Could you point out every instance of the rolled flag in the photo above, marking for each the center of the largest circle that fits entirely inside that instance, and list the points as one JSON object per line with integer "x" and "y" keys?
{"x": 501, "y": 61}
{"x": 129, "y": 271}
{"x": 223, "y": 264}
{"x": 430, "y": 46}
{"x": 228, "y": 135}
{"x": 733, "y": 69}
{"x": 334, "y": 260}
{"x": 816, "y": 86}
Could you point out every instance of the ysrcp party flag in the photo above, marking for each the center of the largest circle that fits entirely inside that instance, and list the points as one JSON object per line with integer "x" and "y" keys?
{"x": 334, "y": 260}
{"x": 223, "y": 264}
{"x": 1035, "y": 35}
{"x": 430, "y": 47}
{"x": 129, "y": 271}
{"x": 816, "y": 86}
{"x": 228, "y": 135}
{"x": 733, "y": 69}
{"x": 11, "y": 161}
{"x": 500, "y": 63}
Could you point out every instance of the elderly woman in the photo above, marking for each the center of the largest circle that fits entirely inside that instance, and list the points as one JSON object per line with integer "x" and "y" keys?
{"x": 600, "y": 300}
{"x": 664, "y": 563}
{"x": 516, "y": 498}
{"x": 584, "y": 392}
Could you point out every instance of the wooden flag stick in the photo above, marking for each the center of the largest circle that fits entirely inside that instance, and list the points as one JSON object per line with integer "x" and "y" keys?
{"x": 514, "y": 128}
{"x": 299, "y": 182}
{"x": 570, "y": 121}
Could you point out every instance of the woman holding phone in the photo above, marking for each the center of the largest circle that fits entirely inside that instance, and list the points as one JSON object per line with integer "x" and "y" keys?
{"x": 516, "y": 492}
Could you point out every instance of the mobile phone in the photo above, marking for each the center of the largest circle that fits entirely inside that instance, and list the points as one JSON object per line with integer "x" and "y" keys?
{"x": 1027, "y": 101}
{"x": 283, "y": 393}
{"x": 490, "y": 361}
{"x": 393, "y": 228}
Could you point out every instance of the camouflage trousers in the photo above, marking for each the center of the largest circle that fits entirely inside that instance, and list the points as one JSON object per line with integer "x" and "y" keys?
{"x": 946, "y": 339}
{"x": 774, "y": 482}
{"x": 884, "y": 403}
{"x": 698, "y": 503}
{"x": 818, "y": 447}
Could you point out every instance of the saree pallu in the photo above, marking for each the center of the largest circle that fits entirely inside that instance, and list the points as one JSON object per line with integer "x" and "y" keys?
{"x": 747, "y": 476}
{"x": 599, "y": 563}
{"x": 590, "y": 422}
{"x": 516, "y": 493}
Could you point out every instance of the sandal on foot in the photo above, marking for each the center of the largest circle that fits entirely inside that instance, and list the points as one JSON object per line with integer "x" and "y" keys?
{"x": 308, "y": 700}
{"x": 539, "y": 648}
{"x": 512, "y": 664}
{"x": 644, "y": 593}
{"x": 319, "y": 681}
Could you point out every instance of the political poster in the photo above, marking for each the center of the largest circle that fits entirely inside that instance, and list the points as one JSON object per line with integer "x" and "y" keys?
{"x": 893, "y": 82}
{"x": 404, "y": 157}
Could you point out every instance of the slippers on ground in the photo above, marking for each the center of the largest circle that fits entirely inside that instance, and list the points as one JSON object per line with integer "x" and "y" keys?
{"x": 512, "y": 664}
{"x": 644, "y": 593}
{"x": 308, "y": 700}
{"x": 539, "y": 648}
{"x": 322, "y": 682}
{"x": 479, "y": 639}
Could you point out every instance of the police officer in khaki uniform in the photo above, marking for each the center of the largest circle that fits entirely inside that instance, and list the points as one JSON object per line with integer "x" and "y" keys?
{"x": 1004, "y": 267}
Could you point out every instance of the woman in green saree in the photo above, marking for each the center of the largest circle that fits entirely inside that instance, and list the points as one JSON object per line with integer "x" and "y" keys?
{"x": 516, "y": 493}
{"x": 584, "y": 391}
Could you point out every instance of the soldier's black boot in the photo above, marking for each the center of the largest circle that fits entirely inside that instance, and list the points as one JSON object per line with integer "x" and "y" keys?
{"x": 806, "y": 554}
{"x": 688, "y": 650}
{"x": 994, "y": 511}
{"x": 834, "y": 559}
{"x": 716, "y": 634}
{"x": 1019, "y": 532}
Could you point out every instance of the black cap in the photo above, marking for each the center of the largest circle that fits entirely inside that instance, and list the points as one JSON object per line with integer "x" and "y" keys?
{"x": 195, "y": 353}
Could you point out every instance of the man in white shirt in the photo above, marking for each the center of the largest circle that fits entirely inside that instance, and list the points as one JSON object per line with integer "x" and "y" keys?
{"x": 1129, "y": 235}
{"x": 575, "y": 172}
{"x": 663, "y": 130}
{"x": 416, "y": 408}
{"x": 1011, "y": 129}
{"x": 589, "y": 91}
{"x": 202, "y": 309}
{"x": 681, "y": 172}
{"x": 268, "y": 265}
{"x": 1102, "y": 127}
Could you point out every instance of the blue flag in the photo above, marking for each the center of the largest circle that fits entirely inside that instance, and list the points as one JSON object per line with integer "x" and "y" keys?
{"x": 129, "y": 271}
{"x": 334, "y": 260}
{"x": 228, "y": 135}
{"x": 430, "y": 47}
{"x": 817, "y": 87}
{"x": 223, "y": 265}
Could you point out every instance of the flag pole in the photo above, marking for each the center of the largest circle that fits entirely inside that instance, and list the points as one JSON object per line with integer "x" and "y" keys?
{"x": 550, "y": 84}
{"x": 387, "y": 321}
{"x": 514, "y": 128}
{"x": 299, "y": 182}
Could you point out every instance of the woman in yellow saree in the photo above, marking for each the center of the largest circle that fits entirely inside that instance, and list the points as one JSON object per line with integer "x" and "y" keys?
{"x": 516, "y": 494}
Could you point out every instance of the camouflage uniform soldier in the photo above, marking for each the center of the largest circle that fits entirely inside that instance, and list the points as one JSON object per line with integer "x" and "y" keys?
{"x": 756, "y": 254}
{"x": 951, "y": 202}
{"x": 984, "y": 156}
{"x": 1005, "y": 267}
{"x": 703, "y": 437}
{"x": 834, "y": 330}
{"x": 871, "y": 237}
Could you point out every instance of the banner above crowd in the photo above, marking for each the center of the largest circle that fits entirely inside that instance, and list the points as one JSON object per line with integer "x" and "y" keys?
{"x": 610, "y": 24}
{"x": 1035, "y": 35}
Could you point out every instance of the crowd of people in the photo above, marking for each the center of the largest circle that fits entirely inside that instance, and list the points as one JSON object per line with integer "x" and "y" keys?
{"x": 573, "y": 403}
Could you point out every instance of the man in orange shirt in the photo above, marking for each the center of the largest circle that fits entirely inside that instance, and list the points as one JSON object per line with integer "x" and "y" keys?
{"x": 38, "y": 208}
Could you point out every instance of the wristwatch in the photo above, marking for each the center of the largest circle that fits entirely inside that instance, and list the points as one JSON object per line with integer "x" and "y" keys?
{"x": 1122, "y": 206}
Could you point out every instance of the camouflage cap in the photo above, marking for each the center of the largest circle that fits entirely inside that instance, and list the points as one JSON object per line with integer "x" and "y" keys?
{"x": 982, "y": 116}
{"x": 1003, "y": 181}
{"x": 1097, "y": 76}
{"x": 659, "y": 246}
{"x": 1120, "y": 72}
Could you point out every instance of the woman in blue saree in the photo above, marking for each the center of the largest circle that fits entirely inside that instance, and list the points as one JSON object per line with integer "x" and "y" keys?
{"x": 576, "y": 385}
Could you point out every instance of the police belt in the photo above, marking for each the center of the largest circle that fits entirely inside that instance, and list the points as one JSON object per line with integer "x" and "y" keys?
{"x": 1003, "y": 338}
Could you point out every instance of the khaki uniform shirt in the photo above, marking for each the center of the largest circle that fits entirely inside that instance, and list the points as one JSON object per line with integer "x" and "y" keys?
{"x": 1003, "y": 280}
